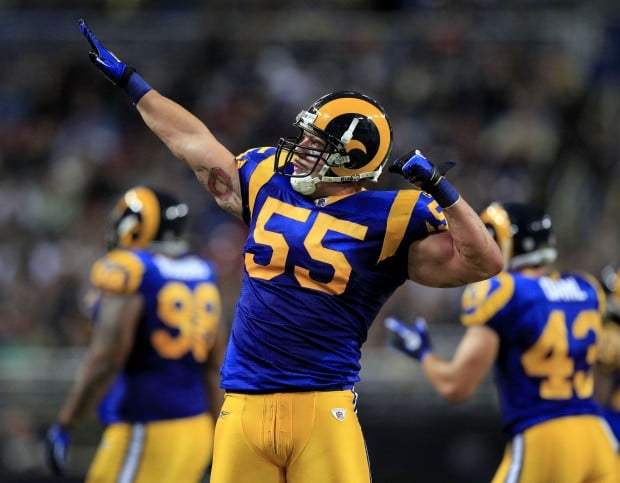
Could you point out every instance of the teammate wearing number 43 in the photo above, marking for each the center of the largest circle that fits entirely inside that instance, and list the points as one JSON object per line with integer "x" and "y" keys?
{"x": 156, "y": 350}
{"x": 323, "y": 255}
{"x": 540, "y": 329}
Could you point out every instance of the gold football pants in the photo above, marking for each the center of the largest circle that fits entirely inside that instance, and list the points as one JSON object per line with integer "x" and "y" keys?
{"x": 174, "y": 451}
{"x": 573, "y": 449}
{"x": 289, "y": 437}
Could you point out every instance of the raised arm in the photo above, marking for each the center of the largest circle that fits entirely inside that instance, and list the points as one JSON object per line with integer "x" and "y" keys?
{"x": 191, "y": 141}
{"x": 184, "y": 134}
{"x": 465, "y": 253}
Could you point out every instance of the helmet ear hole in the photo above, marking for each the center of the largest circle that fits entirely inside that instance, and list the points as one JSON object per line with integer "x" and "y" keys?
{"x": 357, "y": 159}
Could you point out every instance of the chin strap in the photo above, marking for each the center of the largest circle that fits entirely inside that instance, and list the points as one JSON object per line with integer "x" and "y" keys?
{"x": 370, "y": 175}
{"x": 307, "y": 184}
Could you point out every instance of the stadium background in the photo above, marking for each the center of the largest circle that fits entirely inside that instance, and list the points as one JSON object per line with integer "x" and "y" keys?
{"x": 523, "y": 95}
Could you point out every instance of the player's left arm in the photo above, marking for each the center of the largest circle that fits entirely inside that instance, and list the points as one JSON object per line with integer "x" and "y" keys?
{"x": 464, "y": 254}
{"x": 113, "y": 338}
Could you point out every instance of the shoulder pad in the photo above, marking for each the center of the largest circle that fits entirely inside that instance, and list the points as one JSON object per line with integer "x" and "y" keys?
{"x": 255, "y": 154}
{"x": 594, "y": 283}
{"x": 482, "y": 300}
{"x": 119, "y": 271}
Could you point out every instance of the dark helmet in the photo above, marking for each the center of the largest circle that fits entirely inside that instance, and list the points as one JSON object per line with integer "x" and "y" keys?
{"x": 523, "y": 233}
{"x": 146, "y": 218}
{"x": 357, "y": 132}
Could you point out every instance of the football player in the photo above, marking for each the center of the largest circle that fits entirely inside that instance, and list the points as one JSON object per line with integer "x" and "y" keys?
{"x": 322, "y": 256}
{"x": 539, "y": 328}
{"x": 607, "y": 376}
{"x": 153, "y": 363}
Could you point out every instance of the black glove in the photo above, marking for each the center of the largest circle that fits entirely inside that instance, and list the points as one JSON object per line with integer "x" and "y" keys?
{"x": 57, "y": 440}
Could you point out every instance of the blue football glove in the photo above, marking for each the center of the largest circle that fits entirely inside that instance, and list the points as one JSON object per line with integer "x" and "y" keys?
{"x": 413, "y": 340}
{"x": 57, "y": 441}
{"x": 116, "y": 71}
{"x": 422, "y": 173}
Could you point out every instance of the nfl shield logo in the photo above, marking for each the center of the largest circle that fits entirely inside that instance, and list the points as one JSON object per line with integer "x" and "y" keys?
{"x": 339, "y": 413}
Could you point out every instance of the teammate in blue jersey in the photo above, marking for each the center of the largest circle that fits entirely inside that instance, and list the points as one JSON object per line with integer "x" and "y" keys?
{"x": 153, "y": 363}
{"x": 539, "y": 329}
{"x": 607, "y": 376}
{"x": 322, "y": 256}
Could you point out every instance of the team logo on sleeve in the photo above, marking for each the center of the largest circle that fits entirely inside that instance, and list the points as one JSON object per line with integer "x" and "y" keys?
{"x": 339, "y": 414}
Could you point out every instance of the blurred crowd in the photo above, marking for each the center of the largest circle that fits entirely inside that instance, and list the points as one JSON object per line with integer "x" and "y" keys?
{"x": 525, "y": 97}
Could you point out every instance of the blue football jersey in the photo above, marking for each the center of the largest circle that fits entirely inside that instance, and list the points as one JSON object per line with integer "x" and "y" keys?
{"x": 316, "y": 274}
{"x": 164, "y": 375}
{"x": 548, "y": 328}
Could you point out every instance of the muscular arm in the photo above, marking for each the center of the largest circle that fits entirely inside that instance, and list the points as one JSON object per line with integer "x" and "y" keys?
{"x": 191, "y": 141}
{"x": 464, "y": 254}
{"x": 112, "y": 341}
{"x": 458, "y": 379}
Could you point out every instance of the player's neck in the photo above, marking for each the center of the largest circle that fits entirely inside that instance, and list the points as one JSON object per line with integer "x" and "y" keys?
{"x": 325, "y": 190}
{"x": 535, "y": 272}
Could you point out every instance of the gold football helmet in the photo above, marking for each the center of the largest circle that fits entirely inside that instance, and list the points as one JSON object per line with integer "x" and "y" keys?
{"x": 358, "y": 140}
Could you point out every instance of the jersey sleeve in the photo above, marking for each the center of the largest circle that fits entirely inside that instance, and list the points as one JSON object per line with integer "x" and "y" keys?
{"x": 412, "y": 215}
{"x": 119, "y": 271}
{"x": 429, "y": 215}
{"x": 482, "y": 301}
{"x": 253, "y": 173}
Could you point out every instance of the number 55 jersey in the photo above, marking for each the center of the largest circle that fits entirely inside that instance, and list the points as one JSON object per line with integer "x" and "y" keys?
{"x": 317, "y": 271}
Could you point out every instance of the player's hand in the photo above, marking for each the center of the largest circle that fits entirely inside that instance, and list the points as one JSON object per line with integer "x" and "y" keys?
{"x": 413, "y": 340}
{"x": 57, "y": 440}
{"x": 420, "y": 171}
{"x": 423, "y": 174}
{"x": 111, "y": 66}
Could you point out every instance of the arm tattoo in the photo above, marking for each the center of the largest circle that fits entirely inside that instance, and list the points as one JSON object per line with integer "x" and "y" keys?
{"x": 220, "y": 184}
